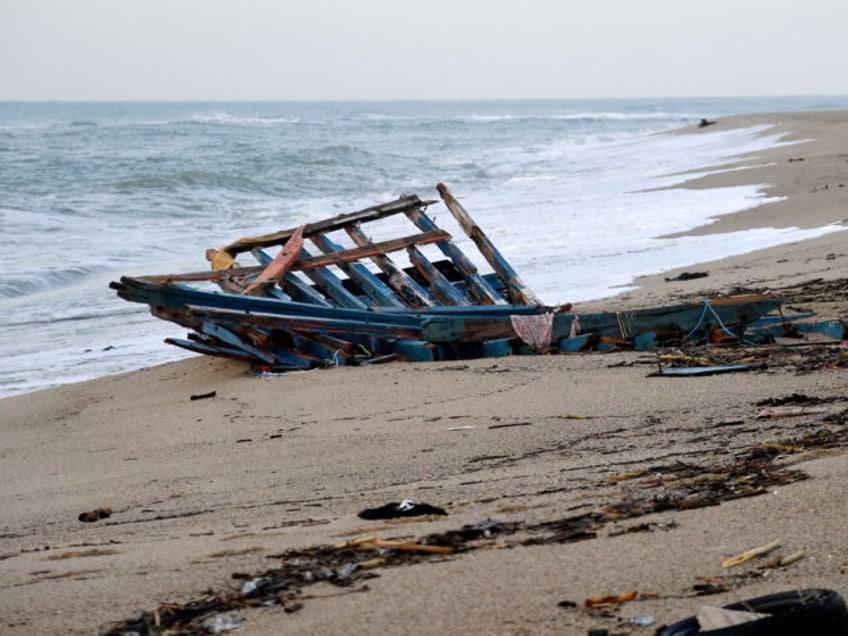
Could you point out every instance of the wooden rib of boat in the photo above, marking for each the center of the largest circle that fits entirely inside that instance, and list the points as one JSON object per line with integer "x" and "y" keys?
{"x": 346, "y": 299}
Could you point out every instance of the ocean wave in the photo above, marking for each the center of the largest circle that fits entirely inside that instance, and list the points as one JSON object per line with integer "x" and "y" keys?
{"x": 20, "y": 284}
{"x": 192, "y": 178}
{"x": 636, "y": 116}
{"x": 552, "y": 115}
{"x": 152, "y": 185}
{"x": 533, "y": 179}
{"x": 226, "y": 119}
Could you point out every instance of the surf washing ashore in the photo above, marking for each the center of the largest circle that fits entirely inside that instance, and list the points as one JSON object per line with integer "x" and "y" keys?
{"x": 93, "y": 191}
{"x": 579, "y": 492}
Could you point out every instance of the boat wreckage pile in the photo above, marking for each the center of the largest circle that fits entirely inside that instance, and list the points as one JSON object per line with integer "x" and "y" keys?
{"x": 329, "y": 304}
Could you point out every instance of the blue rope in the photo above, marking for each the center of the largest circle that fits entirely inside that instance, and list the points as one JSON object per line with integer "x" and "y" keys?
{"x": 709, "y": 308}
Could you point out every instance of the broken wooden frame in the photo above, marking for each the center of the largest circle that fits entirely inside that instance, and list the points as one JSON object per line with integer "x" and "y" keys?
{"x": 303, "y": 308}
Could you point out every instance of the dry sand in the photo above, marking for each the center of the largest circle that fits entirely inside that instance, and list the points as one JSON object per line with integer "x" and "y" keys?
{"x": 203, "y": 489}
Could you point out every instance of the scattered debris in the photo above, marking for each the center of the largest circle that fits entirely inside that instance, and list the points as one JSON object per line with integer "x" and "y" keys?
{"x": 775, "y": 412}
{"x": 749, "y": 473}
{"x": 511, "y": 424}
{"x": 811, "y": 611}
{"x": 643, "y": 621}
{"x": 610, "y": 601}
{"x": 687, "y": 276}
{"x": 91, "y": 516}
{"x": 718, "y": 617}
{"x": 750, "y": 554}
{"x": 203, "y": 396}
{"x": 221, "y": 624}
{"x": 699, "y": 371}
{"x": 405, "y": 508}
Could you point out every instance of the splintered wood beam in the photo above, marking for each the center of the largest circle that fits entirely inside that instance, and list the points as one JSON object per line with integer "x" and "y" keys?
{"x": 519, "y": 293}
{"x": 372, "y": 213}
{"x": 277, "y": 268}
{"x": 481, "y": 290}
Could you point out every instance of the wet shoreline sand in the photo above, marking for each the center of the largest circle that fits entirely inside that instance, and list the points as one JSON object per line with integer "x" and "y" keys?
{"x": 567, "y": 461}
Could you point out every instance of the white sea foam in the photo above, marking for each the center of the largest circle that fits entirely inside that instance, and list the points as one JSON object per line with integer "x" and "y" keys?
{"x": 227, "y": 119}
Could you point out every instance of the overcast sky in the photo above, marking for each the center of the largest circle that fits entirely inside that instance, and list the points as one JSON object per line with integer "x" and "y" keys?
{"x": 425, "y": 49}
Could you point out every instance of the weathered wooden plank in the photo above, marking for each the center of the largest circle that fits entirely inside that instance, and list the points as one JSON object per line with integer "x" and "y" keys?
{"x": 301, "y": 291}
{"x": 282, "y": 263}
{"x": 328, "y": 225}
{"x": 212, "y": 328}
{"x": 311, "y": 262}
{"x": 284, "y": 363}
{"x": 216, "y": 276}
{"x": 449, "y": 329}
{"x": 667, "y": 322}
{"x": 366, "y": 251}
{"x": 482, "y": 292}
{"x": 373, "y": 287}
{"x": 331, "y": 285}
{"x": 400, "y": 281}
{"x": 304, "y": 324}
{"x": 439, "y": 285}
{"x": 164, "y": 295}
{"x": 518, "y": 291}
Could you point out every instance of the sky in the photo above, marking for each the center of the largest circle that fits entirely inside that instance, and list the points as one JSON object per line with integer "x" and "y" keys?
{"x": 428, "y": 49}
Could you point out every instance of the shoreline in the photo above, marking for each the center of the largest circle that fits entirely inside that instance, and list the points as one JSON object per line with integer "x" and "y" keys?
{"x": 754, "y": 164}
{"x": 814, "y": 195}
{"x": 567, "y": 453}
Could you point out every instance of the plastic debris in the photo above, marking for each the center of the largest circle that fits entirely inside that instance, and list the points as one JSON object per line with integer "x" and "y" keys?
{"x": 250, "y": 586}
{"x": 710, "y": 618}
{"x": 203, "y": 396}
{"x": 405, "y": 508}
{"x": 221, "y": 624}
{"x": 643, "y": 621}
{"x": 95, "y": 515}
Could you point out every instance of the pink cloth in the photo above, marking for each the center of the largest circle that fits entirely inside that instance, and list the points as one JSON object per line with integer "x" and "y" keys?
{"x": 535, "y": 331}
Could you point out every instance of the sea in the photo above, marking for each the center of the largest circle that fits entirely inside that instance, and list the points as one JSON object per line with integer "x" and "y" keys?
{"x": 576, "y": 193}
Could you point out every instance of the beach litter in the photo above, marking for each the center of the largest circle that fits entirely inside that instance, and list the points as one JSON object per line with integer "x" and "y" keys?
{"x": 675, "y": 486}
{"x": 203, "y": 396}
{"x": 750, "y": 554}
{"x": 810, "y": 611}
{"x": 91, "y": 516}
{"x": 610, "y": 600}
{"x": 221, "y": 624}
{"x": 774, "y": 412}
{"x": 405, "y": 508}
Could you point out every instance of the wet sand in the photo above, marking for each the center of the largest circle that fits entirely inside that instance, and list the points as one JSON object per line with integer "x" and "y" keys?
{"x": 590, "y": 477}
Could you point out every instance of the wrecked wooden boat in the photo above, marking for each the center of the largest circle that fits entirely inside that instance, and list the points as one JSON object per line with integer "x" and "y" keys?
{"x": 347, "y": 299}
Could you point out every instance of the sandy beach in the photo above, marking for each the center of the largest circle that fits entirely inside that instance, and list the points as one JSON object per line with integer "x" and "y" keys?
{"x": 564, "y": 477}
